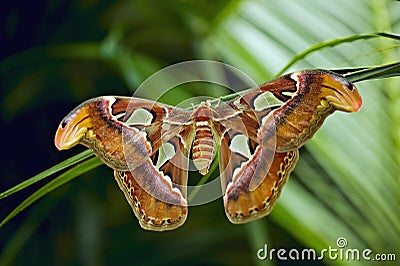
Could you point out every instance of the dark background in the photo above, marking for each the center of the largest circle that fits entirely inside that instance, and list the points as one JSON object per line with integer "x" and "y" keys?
{"x": 88, "y": 221}
{"x": 56, "y": 54}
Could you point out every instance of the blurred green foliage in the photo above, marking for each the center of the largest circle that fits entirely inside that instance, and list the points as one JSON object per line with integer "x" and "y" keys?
{"x": 56, "y": 54}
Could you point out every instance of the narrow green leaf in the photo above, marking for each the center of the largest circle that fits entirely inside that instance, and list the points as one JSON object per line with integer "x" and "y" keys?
{"x": 55, "y": 183}
{"x": 202, "y": 181}
{"x": 334, "y": 42}
{"x": 377, "y": 72}
{"x": 58, "y": 167}
{"x": 353, "y": 74}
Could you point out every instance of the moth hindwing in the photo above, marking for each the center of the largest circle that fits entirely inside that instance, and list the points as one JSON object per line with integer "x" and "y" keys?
{"x": 149, "y": 145}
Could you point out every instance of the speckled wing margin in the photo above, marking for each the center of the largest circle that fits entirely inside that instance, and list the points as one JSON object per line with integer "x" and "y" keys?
{"x": 135, "y": 145}
{"x": 149, "y": 144}
{"x": 279, "y": 117}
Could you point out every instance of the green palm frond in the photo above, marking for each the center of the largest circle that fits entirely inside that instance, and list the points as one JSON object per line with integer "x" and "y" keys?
{"x": 347, "y": 181}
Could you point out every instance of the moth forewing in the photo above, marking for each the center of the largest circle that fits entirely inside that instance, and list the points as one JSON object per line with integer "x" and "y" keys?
{"x": 258, "y": 135}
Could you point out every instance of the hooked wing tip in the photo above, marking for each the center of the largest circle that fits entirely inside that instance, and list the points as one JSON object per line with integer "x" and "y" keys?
{"x": 71, "y": 130}
{"x": 341, "y": 93}
{"x": 66, "y": 138}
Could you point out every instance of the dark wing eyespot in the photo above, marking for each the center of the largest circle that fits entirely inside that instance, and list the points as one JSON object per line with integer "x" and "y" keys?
{"x": 64, "y": 123}
{"x": 347, "y": 83}
{"x": 350, "y": 86}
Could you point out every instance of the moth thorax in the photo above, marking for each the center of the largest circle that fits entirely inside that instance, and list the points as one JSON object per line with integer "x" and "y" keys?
{"x": 203, "y": 147}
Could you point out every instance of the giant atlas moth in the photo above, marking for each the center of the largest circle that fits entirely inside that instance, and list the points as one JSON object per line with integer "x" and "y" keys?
{"x": 257, "y": 136}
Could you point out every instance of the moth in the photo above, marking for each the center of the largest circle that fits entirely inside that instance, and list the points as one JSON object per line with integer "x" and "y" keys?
{"x": 256, "y": 137}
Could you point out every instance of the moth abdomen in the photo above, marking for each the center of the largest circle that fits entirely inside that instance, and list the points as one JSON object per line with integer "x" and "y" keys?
{"x": 203, "y": 147}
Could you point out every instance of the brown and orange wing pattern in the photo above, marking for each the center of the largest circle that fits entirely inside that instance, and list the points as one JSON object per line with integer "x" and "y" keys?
{"x": 150, "y": 162}
{"x": 259, "y": 146}
{"x": 258, "y": 135}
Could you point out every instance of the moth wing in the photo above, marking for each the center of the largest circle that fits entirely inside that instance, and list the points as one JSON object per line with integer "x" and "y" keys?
{"x": 244, "y": 205}
{"x": 148, "y": 152}
{"x": 159, "y": 201}
{"x": 151, "y": 212}
{"x": 252, "y": 172}
{"x": 156, "y": 191}
{"x": 242, "y": 133}
{"x": 121, "y": 131}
